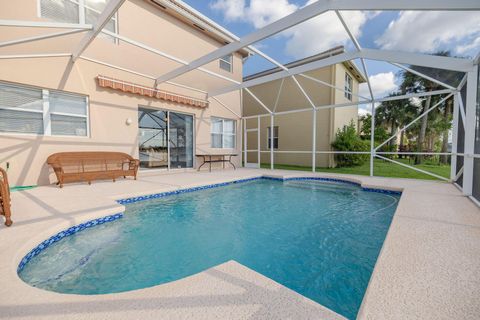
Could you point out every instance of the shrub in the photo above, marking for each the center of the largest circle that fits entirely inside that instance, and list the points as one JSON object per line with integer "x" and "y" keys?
{"x": 347, "y": 139}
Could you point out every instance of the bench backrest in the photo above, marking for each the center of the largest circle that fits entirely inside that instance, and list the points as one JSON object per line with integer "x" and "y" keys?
{"x": 87, "y": 159}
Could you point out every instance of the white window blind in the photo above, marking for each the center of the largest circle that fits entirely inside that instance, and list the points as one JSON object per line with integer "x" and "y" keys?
{"x": 25, "y": 109}
{"x": 223, "y": 133}
{"x": 21, "y": 109}
{"x": 71, "y": 11}
{"x": 60, "y": 10}
{"x": 68, "y": 114}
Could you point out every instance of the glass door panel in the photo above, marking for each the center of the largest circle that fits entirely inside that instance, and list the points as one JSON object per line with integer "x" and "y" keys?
{"x": 181, "y": 140}
{"x": 153, "y": 138}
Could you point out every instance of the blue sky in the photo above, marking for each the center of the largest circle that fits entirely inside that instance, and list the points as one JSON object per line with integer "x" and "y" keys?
{"x": 427, "y": 32}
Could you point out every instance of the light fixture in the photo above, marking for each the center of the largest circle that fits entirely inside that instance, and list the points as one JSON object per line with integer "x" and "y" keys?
{"x": 128, "y": 121}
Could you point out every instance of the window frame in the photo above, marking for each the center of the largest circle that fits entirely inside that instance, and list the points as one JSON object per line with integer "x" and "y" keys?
{"x": 223, "y": 133}
{"x": 81, "y": 15}
{"x": 275, "y": 137}
{"x": 348, "y": 86}
{"x": 228, "y": 62}
{"x": 47, "y": 132}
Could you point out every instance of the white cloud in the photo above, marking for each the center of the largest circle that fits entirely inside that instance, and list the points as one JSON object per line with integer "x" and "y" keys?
{"x": 462, "y": 49}
{"x": 323, "y": 32}
{"x": 382, "y": 84}
{"x": 258, "y": 13}
{"x": 363, "y": 110}
{"x": 430, "y": 31}
{"x": 311, "y": 37}
{"x": 233, "y": 10}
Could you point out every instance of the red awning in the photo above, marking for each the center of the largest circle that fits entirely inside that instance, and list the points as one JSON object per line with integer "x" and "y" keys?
{"x": 124, "y": 86}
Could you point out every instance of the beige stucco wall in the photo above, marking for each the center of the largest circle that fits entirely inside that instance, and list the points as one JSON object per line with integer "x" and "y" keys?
{"x": 295, "y": 129}
{"x": 108, "y": 109}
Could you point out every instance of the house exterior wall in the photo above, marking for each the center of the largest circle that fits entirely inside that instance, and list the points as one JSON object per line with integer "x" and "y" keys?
{"x": 295, "y": 129}
{"x": 109, "y": 109}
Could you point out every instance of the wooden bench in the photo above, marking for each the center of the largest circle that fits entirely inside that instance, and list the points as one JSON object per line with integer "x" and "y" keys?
{"x": 5, "y": 204}
{"x": 92, "y": 165}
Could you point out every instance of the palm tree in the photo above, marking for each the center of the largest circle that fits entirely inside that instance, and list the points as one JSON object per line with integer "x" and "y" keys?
{"x": 412, "y": 83}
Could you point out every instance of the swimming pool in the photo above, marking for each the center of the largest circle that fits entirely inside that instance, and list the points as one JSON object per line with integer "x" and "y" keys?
{"x": 319, "y": 238}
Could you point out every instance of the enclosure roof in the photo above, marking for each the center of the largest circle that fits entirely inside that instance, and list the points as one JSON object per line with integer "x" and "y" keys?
{"x": 325, "y": 54}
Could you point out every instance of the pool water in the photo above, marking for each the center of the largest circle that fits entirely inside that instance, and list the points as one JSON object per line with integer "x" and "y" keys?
{"x": 318, "y": 238}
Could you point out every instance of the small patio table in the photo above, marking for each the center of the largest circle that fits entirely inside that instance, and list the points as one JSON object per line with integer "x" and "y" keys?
{"x": 217, "y": 157}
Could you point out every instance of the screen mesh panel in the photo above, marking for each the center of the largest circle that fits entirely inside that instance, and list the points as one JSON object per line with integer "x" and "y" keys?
{"x": 476, "y": 163}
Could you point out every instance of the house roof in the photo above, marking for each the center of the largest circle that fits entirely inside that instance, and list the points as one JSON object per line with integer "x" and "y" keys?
{"x": 328, "y": 53}
{"x": 189, "y": 15}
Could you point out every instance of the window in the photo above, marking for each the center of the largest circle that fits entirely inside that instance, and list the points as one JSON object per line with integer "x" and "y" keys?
{"x": 223, "y": 133}
{"x": 226, "y": 63}
{"x": 25, "y": 109}
{"x": 68, "y": 114}
{"x": 71, "y": 11}
{"x": 275, "y": 137}
{"x": 21, "y": 109}
{"x": 348, "y": 86}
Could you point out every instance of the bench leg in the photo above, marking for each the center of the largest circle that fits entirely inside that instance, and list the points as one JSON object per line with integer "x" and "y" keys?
{"x": 89, "y": 182}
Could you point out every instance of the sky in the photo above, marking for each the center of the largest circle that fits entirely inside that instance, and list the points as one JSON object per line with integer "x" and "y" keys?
{"x": 413, "y": 31}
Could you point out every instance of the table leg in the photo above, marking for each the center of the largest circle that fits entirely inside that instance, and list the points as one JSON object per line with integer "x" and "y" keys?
{"x": 210, "y": 163}
{"x": 202, "y": 163}
{"x": 223, "y": 162}
{"x": 230, "y": 160}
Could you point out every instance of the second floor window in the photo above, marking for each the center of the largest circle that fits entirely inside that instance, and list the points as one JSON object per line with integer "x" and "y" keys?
{"x": 81, "y": 11}
{"x": 226, "y": 63}
{"x": 348, "y": 86}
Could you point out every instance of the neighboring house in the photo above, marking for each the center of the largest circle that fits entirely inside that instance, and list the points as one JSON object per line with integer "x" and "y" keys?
{"x": 49, "y": 105}
{"x": 294, "y": 131}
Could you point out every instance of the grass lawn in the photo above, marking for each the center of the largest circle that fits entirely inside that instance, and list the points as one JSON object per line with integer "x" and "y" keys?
{"x": 381, "y": 168}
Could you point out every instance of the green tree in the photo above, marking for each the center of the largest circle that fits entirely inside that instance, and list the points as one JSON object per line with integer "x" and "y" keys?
{"x": 412, "y": 83}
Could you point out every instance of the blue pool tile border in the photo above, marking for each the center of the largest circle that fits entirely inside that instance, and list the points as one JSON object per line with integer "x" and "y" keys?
{"x": 65, "y": 233}
{"x": 180, "y": 191}
{"x": 216, "y": 185}
{"x": 82, "y": 226}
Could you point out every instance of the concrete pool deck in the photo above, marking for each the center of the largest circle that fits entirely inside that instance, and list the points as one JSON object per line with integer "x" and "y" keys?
{"x": 429, "y": 266}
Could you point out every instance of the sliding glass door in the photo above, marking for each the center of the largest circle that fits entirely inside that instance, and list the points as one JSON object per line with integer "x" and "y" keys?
{"x": 181, "y": 140}
{"x": 165, "y": 139}
{"x": 153, "y": 138}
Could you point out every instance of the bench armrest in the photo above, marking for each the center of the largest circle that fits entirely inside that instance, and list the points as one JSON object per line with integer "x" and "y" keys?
{"x": 134, "y": 164}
